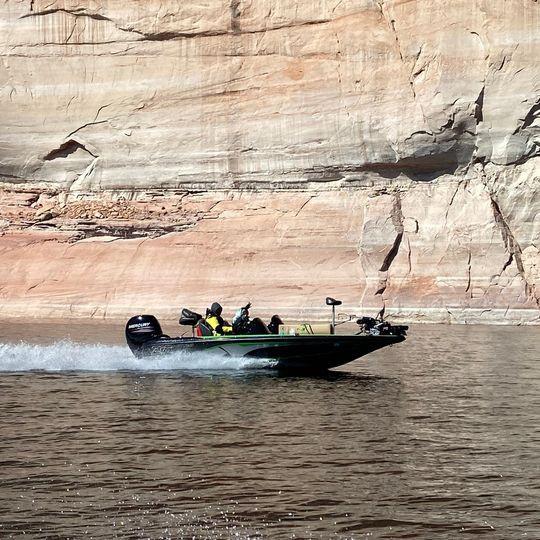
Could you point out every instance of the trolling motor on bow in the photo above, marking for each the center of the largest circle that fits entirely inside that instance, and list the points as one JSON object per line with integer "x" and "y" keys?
{"x": 379, "y": 327}
{"x": 368, "y": 325}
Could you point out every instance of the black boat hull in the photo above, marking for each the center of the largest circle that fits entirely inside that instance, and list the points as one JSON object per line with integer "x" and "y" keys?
{"x": 306, "y": 353}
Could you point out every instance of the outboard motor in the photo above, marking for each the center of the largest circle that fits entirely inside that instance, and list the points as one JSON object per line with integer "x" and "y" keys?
{"x": 141, "y": 329}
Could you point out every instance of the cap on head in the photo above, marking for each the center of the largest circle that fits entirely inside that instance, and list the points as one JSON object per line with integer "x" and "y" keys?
{"x": 216, "y": 309}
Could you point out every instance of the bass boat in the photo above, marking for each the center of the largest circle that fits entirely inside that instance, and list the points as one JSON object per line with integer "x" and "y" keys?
{"x": 304, "y": 347}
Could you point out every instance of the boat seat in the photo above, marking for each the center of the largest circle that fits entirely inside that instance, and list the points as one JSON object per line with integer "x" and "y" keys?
{"x": 333, "y": 302}
{"x": 257, "y": 327}
{"x": 203, "y": 328}
{"x": 189, "y": 318}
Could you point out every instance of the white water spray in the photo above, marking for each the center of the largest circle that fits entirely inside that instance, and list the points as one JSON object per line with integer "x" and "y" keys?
{"x": 69, "y": 356}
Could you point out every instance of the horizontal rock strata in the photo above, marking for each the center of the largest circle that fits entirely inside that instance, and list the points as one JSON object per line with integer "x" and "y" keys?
{"x": 156, "y": 154}
{"x": 435, "y": 252}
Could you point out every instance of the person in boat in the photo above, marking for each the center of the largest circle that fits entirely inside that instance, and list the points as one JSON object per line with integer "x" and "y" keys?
{"x": 216, "y": 322}
{"x": 275, "y": 323}
{"x": 242, "y": 324}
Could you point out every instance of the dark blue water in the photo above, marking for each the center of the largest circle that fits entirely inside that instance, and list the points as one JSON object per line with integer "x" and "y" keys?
{"x": 438, "y": 437}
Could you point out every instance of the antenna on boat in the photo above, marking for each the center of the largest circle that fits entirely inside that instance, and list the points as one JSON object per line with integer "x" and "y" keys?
{"x": 333, "y": 302}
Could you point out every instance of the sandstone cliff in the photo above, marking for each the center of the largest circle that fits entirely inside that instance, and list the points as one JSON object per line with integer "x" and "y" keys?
{"x": 161, "y": 153}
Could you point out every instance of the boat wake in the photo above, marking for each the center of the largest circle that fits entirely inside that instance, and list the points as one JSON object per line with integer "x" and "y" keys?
{"x": 69, "y": 356}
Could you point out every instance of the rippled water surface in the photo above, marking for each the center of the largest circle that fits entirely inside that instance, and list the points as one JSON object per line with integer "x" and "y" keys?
{"x": 438, "y": 437}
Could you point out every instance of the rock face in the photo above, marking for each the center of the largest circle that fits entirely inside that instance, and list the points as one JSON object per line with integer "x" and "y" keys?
{"x": 385, "y": 151}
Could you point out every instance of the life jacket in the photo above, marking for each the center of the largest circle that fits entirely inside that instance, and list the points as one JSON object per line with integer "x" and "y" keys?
{"x": 218, "y": 326}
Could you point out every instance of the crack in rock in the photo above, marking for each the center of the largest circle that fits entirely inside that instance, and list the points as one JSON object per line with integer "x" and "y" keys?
{"x": 479, "y": 106}
{"x": 514, "y": 249}
{"x": 81, "y": 12}
{"x": 468, "y": 288}
{"x": 235, "y": 16}
{"x": 397, "y": 220}
{"x": 507, "y": 264}
{"x": 479, "y": 118}
{"x": 85, "y": 126}
{"x": 530, "y": 117}
{"x": 172, "y": 35}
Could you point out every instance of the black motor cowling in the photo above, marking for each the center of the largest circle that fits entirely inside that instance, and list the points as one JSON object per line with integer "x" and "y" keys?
{"x": 141, "y": 329}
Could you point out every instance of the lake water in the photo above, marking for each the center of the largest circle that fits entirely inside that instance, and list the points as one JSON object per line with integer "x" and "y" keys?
{"x": 437, "y": 437}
